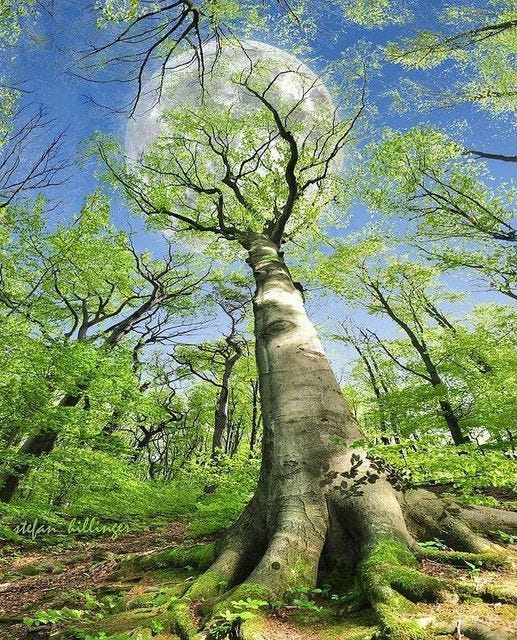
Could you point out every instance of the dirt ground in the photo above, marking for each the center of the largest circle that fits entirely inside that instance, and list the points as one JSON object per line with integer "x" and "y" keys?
{"x": 42, "y": 579}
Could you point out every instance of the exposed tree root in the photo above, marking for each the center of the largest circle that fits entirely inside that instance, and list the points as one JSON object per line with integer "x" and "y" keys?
{"x": 478, "y": 631}
{"x": 180, "y": 620}
{"x": 376, "y": 544}
{"x": 253, "y": 629}
{"x": 488, "y": 560}
{"x": 461, "y": 527}
{"x": 474, "y": 631}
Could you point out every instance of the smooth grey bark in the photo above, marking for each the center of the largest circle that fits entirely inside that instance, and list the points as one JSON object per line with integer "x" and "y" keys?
{"x": 279, "y": 539}
{"x": 320, "y": 504}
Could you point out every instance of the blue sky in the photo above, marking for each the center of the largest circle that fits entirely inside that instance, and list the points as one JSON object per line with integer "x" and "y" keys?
{"x": 45, "y": 58}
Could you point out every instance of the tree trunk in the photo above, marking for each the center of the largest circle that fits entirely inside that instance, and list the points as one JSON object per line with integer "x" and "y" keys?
{"x": 34, "y": 446}
{"x": 221, "y": 408}
{"x": 432, "y": 372}
{"x": 221, "y": 413}
{"x": 376, "y": 387}
{"x": 256, "y": 417}
{"x": 279, "y": 539}
{"x": 320, "y": 505}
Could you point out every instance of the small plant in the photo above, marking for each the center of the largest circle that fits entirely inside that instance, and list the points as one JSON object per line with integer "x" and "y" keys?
{"x": 502, "y": 536}
{"x": 306, "y": 604}
{"x": 80, "y": 634}
{"x": 303, "y": 596}
{"x": 156, "y": 627}
{"x": 249, "y": 604}
{"x": 92, "y": 603}
{"x": 435, "y": 543}
{"x": 52, "y": 616}
{"x": 473, "y": 568}
{"x": 101, "y": 635}
{"x": 227, "y": 624}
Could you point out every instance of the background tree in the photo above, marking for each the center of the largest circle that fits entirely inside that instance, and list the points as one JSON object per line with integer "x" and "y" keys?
{"x": 214, "y": 362}
{"x": 455, "y": 216}
{"x": 85, "y": 288}
{"x": 479, "y": 43}
{"x": 401, "y": 291}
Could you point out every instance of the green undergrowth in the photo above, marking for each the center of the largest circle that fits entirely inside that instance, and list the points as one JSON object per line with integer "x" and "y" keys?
{"x": 471, "y": 474}
{"x": 153, "y": 606}
{"x": 111, "y": 504}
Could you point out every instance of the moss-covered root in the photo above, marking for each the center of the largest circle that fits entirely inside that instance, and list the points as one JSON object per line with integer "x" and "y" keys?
{"x": 478, "y": 631}
{"x": 390, "y": 583}
{"x": 199, "y": 556}
{"x": 474, "y": 631}
{"x": 180, "y": 620}
{"x": 487, "y": 560}
{"x": 254, "y": 628}
{"x": 208, "y": 585}
{"x": 489, "y": 593}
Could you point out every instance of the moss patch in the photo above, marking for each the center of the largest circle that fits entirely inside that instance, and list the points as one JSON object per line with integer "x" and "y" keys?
{"x": 179, "y": 620}
{"x": 207, "y": 585}
{"x": 200, "y": 556}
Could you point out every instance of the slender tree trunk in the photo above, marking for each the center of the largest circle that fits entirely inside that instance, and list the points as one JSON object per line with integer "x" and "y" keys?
{"x": 221, "y": 407}
{"x": 220, "y": 418}
{"x": 377, "y": 392}
{"x": 445, "y": 406}
{"x": 34, "y": 446}
{"x": 433, "y": 376}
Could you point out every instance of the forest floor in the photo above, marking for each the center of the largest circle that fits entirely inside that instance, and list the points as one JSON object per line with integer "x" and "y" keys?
{"x": 96, "y": 585}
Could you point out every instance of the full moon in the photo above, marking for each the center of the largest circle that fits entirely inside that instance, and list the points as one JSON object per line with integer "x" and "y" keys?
{"x": 181, "y": 87}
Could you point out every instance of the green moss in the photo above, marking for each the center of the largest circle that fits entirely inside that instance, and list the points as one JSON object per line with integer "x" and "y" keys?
{"x": 398, "y": 629}
{"x": 126, "y": 621}
{"x": 207, "y": 585}
{"x": 389, "y": 566}
{"x": 490, "y": 593}
{"x": 376, "y": 573}
{"x": 200, "y": 556}
{"x": 170, "y": 576}
{"x": 252, "y": 628}
{"x": 179, "y": 620}
{"x": 356, "y": 626}
{"x": 151, "y": 599}
{"x": 243, "y": 591}
{"x": 389, "y": 552}
{"x": 417, "y": 586}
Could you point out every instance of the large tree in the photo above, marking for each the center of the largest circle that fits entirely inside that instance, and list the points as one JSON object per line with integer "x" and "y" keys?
{"x": 260, "y": 177}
